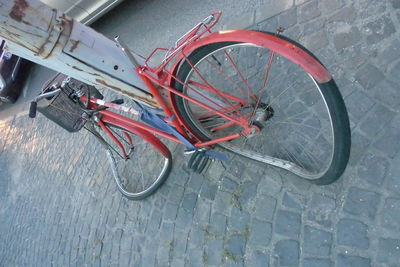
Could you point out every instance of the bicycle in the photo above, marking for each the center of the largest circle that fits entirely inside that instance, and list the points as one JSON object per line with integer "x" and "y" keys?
{"x": 257, "y": 94}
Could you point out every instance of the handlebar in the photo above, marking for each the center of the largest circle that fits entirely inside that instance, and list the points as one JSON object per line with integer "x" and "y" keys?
{"x": 33, "y": 106}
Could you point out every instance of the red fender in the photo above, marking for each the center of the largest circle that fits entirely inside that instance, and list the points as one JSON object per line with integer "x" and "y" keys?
{"x": 271, "y": 42}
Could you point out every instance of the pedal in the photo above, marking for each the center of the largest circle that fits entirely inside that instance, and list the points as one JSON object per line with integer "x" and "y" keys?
{"x": 198, "y": 161}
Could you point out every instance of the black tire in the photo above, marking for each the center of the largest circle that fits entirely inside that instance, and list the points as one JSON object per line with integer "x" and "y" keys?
{"x": 330, "y": 96}
{"x": 146, "y": 169}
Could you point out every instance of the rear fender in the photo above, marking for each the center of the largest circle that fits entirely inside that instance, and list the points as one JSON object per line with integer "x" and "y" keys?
{"x": 280, "y": 46}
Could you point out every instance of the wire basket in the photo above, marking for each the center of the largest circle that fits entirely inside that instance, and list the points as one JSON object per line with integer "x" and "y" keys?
{"x": 62, "y": 108}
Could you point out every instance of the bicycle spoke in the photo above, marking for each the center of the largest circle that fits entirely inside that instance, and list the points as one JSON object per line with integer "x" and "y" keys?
{"x": 219, "y": 70}
{"x": 240, "y": 74}
{"x": 207, "y": 98}
{"x": 207, "y": 83}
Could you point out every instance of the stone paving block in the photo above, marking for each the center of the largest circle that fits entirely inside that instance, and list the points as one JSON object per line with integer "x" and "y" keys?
{"x": 170, "y": 211}
{"x": 179, "y": 245}
{"x": 155, "y": 221}
{"x": 163, "y": 254}
{"x": 386, "y": 92}
{"x": 218, "y": 224}
{"x": 329, "y": 6}
{"x": 358, "y": 104}
{"x": 362, "y": 202}
{"x": 291, "y": 202}
{"x": 176, "y": 194}
{"x": 196, "y": 236}
{"x": 288, "y": 18}
{"x": 317, "y": 242}
{"x": 314, "y": 262}
{"x": 189, "y": 202}
{"x": 239, "y": 220}
{"x": 346, "y": 36}
{"x": 356, "y": 261}
{"x": 393, "y": 181}
{"x": 395, "y": 4}
{"x": 373, "y": 168}
{"x": 215, "y": 170}
{"x": 316, "y": 40}
{"x": 371, "y": 8}
{"x": 270, "y": 10}
{"x": 236, "y": 168}
{"x": 359, "y": 145}
{"x": 195, "y": 257}
{"x": 286, "y": 253}
{"x": 352, "y": 233}
{"x": 208, "y": 190}
{"x": 321, "y": 209}
{"x": 379, "y": 29}
{"x": 159, "y": 203}
{"x": 390, "y": 53}
{"x": 214, "y": 252}
{"x": 184, "y": 219}
{"x": 308, "y": 11}
{"x": 222, "y": 202}
{"x": 246, "y": 192}
{"x": 260, "y": 233}
{"x": 376, "y": 120}
{"x": 271, "y": 185}
{"x": 389, "y": 142}
{"x": 346, "y": 14}
{"x": 166, "y": 233}
{"x": 202, "y": 212}
{"x": 294, "y": 32}
{"x": 255, "y": 174}
{"x": 288, "y": 223}
{"x": 228, "y": 185}
{"x": 243, "y": 21}
{"x": 236, "y": 245}
{"x": 265, "y": 208}
{"x": 179, "y": 262}
{"x": 257, "y": 259}
{"x": 195, "y": 182}
{"x": 389, "y": 251}
{"x": 391, "y": 214}
{"x": 314, "y": 26}
{"x": 369, "y": 76}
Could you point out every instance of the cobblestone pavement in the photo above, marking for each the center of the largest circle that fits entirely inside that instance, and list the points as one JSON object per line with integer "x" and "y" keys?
{"x": 59, "y": 205}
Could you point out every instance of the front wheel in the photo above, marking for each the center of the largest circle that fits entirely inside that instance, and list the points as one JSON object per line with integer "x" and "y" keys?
{"x": 301, "y": 125}
{"x": 140, "y": 164}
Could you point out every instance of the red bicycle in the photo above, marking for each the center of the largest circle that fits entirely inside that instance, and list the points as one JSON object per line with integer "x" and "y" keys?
{"x": 257, "y": 94}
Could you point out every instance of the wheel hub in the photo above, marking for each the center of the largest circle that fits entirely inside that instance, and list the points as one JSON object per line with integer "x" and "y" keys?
{"x": 263, "y": 113}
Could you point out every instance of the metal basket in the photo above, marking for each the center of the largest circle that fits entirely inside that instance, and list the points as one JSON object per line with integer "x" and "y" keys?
{"x": 62, "y": 108}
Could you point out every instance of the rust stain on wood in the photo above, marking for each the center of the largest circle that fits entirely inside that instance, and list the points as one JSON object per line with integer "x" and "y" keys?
{"x": 18, "y": 10}
{"x": 151, "y": 102}
{"x": 74, "y": 45}
{"x": 76, "y": 68}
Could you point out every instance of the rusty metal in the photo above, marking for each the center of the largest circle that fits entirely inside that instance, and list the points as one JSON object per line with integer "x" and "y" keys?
{"x": 132, "y": 95}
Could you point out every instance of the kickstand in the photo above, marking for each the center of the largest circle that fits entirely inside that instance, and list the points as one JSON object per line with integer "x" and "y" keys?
{"x": 198, "y": 161}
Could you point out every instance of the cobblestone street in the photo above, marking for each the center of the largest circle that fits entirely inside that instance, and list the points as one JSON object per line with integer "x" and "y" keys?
{"x": 59, "y": 205}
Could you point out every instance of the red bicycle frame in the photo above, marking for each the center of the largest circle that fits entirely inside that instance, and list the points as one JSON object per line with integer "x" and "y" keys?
{"x": 199, "y": 36}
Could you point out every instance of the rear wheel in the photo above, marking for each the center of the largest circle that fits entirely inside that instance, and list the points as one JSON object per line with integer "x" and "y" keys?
{"x": 301, "y": 125}
{"x": 140, "y": 168}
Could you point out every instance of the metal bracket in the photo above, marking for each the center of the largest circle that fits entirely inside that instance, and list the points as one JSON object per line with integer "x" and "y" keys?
{"x": 54, "y": 34}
